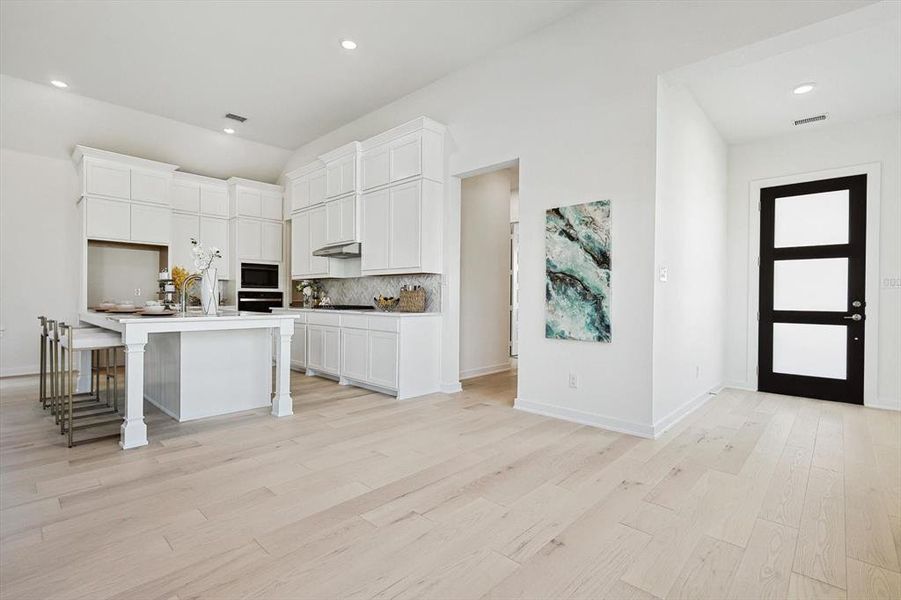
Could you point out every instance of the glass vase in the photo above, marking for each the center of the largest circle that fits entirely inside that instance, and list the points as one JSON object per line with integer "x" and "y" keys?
{"x": 209, "y": 292}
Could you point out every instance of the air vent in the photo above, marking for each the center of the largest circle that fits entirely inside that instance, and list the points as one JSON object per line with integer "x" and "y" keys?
{"x": 241, "y": 119}
{"x": 814, "y": 119}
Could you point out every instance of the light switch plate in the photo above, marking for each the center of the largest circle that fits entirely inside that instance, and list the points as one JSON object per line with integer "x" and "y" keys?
{"x": 663, "y": 274}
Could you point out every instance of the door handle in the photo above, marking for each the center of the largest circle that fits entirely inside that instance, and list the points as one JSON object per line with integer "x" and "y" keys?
{"x": 854, "y": 317}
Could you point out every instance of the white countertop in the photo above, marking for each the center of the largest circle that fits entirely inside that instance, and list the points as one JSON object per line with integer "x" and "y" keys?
{"x": 189, "y": 316}
{"x": 382, "y": 313}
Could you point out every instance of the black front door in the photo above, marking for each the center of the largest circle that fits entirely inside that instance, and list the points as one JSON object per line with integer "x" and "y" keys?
{"x": 812, "y": 304}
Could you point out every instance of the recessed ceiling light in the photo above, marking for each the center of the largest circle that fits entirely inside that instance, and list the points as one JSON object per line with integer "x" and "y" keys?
{"x": 228, "y": 130}
{"x": 59, "y": 84}
{"x": 348, "y": 44}
{"x": 804, "y": 88}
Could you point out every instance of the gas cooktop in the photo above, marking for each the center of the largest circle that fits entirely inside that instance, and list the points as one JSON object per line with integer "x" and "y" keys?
{"x": 345, "y": 307}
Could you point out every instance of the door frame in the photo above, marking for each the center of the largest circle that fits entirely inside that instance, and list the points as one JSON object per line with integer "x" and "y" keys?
{"x": 873, "y": 171}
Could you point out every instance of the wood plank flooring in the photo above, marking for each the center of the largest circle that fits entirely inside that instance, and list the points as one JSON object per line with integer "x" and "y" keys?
{"x": 454, "y": 496}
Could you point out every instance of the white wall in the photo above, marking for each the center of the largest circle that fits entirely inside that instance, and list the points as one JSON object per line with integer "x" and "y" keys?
{"x": 39, "y": 222}
{"x": 828, "y": 147}
{"x": 485, "y": 274}
{"x": 576, "y": 103}
{"x": 117, "y": 271}
{"x": 690, "y": 242}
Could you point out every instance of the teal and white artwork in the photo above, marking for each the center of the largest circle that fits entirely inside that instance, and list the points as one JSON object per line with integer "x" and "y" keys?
{"x": 577, "y": 272}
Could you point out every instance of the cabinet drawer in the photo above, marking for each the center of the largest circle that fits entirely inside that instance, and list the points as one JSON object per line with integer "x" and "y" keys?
{"x": 379, "y": 323}
{"x": 356, "y": 321}
{"x": 328, "y": 319}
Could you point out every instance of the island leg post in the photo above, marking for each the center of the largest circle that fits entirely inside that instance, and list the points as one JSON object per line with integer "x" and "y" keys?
{"x": 134, "y": 430}
{"x": 282, "y": 404}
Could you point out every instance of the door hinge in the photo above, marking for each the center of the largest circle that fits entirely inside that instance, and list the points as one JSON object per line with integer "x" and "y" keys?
{"x": 758, "y": 206}
{"x": 758, "y": 315}
{"x": 757, "y": 371}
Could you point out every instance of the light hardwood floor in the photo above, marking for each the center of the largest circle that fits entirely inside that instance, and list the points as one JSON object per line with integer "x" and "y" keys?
{"x": 455, "y": 496}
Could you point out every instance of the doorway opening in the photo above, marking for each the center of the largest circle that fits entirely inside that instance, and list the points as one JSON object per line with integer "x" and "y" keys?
{"x": 489, "y": 278}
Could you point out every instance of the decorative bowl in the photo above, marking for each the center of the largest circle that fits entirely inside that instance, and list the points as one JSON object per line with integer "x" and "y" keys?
{"x": 385, "y": 304}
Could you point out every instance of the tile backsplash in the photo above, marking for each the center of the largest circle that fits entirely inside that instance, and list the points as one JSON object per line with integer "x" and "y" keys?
{"x": 361, "y": 290}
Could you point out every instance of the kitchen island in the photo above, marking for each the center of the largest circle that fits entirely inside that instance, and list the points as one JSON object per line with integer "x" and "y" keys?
{"x": 193, "y": 366}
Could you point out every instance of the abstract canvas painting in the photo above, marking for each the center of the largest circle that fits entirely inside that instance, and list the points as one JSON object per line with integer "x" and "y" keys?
{"x": 577, "y": 272}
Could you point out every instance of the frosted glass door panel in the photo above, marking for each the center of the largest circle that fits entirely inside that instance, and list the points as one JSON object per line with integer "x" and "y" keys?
{"x": 812, "y": 220}
{"x": 812, "y": 350}
{"x": 811, "y": 284}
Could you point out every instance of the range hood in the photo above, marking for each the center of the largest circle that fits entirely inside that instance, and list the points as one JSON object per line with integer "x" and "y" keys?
{"x": 351, "y": 250}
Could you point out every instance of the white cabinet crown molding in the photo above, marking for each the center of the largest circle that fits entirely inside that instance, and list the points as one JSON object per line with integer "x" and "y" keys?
{"x": 86, "y": 152}
{"x": 412, "y": 126}
{"x": 200, "y": 179}
{"x": 305, "y": 170}
{"x": 257, "y": 185}
{"x": 340, "y": 152}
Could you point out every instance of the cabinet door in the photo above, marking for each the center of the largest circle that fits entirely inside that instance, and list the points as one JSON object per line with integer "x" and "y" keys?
{"x": 353, "y": 353}
{"x": 333, "y": 180}
{"x": 300, "y": 245}
{"x": 271, "y": 206}
{"x": 376, "y": 223}
{"x": 150, "y": 186}
{"x": 299, "y": 190}
{"x": 332, "y": 355}
{"x": 381, "y": 359}
{"x": 348, "y": 174}
{"x": 340, "y": 176}
{"x": 107, "y": 180}
{"x": 150, "y": 224}
{"x": 185, "y": 196}
{"x": 318, "y": 264}
{"x": 406, "y": 228}
{"x": 317, "y": 187}
{"x": 299, "y": 345}
{"x": 248, "y": 202}
{"x": 316, "y": 347}
{"x": 250, "y": 239}
{"x": 108, "y": 219}
{"x": 214, "y": 201}
{"x": 406, "y": 157}
{"x": 214, "y": 233}
{"x": 374, "y": 167}
{"x": 333, "y": 222}
{"x": 184, "y": 227}
{"x": 271, "y": 241}
{"x": 348, "y": 228}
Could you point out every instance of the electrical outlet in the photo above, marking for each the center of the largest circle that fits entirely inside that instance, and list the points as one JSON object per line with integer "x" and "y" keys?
{"x": 573, "y": 381}
{"x": 138, "y": 291}
{"x": 663, "y": 274}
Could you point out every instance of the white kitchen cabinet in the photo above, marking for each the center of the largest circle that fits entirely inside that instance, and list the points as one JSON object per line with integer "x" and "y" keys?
{"x": 150, "y": 224}
{"x": 376, "y": 217}
{"x": 186, "y": 196}
{"x": 249, "y": 241}
{"x": 324, "y": 349}
{"x": 300, "y": 246}
{"x": 271, "y": 241}
{"x": 414, "y": 149}
{"x": 381, "y": 359}
{"x": 299, "y": 192}
{"x": 108, "y": 219}
{"x": 150, "y": 186}
{"x": 318, "y": 264}
{"x": 184, "y": 227}
{"x": 248, "y": 202}
{"x": 299, "y": 346}
{"x": 213, "y": 233}
{"x": 214, "y": 201}
{"x": 271, "y": 206}
{"x": 306, "y": 186}
{"x": 405, "y": 157}
{"x": 340, "y": 176}
{"x": 341, "y": 218}
{"x": 401, "y": 228}
{"x": 107, "y": 179}
{"x": 354, "y": 348}
{"x": 374, "y": 169}
{"x": 317, "y": 187}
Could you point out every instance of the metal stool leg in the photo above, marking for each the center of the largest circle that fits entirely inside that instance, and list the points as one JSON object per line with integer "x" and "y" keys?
{"x": 71, "y": 384}
{"x": 42, "y": 384}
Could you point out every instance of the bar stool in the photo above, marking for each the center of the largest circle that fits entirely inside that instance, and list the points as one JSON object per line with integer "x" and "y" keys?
{"x": 45, "y": 391}
{"x": 97, "y": 341}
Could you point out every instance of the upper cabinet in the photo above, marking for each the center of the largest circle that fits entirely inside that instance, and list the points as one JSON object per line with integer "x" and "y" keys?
{"x": 200, "y": 195}
{"x": 305, "y": 187}
{"x": 415, "y": 149}
{"x": 254, "y": 199}
{"x": 341, "y": 170}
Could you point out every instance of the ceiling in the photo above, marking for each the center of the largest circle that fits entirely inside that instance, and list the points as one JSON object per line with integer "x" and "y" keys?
{"x": 279, "y": 64}
{"x": 855, "y": 60}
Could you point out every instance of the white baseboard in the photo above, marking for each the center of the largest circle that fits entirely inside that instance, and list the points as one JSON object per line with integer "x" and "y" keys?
{"x": 683, "y": 411}
{"x": 19, "y": 371}
{"x": 886, "y": 404}
{"x": 162, "y": 408}
{"x": 584, "y": 418}
{"x": 740, "y": 385}
{"x": 480, "y": 371}
{"x": 451, "y": 388}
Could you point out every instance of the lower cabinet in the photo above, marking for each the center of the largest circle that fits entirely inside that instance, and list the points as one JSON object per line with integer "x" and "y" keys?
{"x": 354, "y": 353}
{"x": 324, "y": 349}
{"x": 381, "y": 364}
{"x": 299, "y": 346}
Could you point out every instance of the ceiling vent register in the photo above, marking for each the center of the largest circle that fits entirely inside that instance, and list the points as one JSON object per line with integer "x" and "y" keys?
{"x": 808, "y": 120}
{"x": 235, "y": 117}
